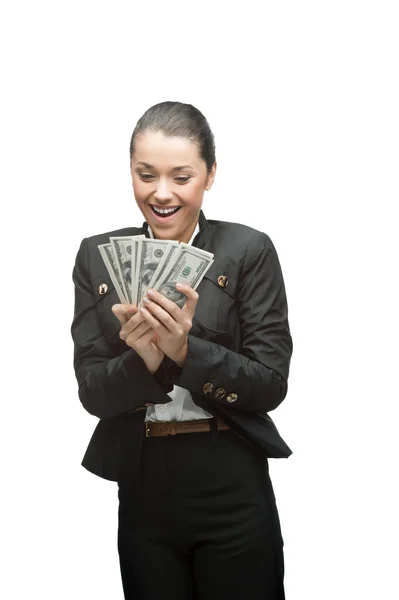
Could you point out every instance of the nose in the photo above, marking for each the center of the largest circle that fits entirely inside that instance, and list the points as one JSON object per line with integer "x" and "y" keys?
{"x": 162, "y": 192}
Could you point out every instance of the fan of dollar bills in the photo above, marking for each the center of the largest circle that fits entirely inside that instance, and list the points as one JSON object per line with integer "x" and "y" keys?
{"x": 136, "y": 263}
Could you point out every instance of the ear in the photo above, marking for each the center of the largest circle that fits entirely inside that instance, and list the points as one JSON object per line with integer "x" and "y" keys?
{"x": 211, "y": 177}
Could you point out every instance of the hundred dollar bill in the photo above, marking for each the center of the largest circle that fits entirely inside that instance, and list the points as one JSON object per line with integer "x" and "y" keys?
{"x": 150, "y": 254}
{"x": 110, "y": 262}
{"x": 125, "y": 256}
{"x": 189, "y": 267}
{"x": 167, "y": 262}
{"x": 169, "y": 258}
{"x": 135, "y": 259}
{"x": 122, "y": 249}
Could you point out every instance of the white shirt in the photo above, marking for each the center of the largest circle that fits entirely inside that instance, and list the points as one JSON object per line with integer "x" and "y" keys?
{"x": 182, "y": 406}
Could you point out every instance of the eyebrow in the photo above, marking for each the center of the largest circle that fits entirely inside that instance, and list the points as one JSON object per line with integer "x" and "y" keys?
{"x": 148, "y": 166}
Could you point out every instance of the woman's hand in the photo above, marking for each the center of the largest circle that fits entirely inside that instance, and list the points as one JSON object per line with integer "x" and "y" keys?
{"x": 139, "y": 335}
{"x": 170, "y": 322}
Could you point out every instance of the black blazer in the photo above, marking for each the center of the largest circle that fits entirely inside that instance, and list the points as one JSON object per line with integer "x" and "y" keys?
{"x": 240, "y": 344}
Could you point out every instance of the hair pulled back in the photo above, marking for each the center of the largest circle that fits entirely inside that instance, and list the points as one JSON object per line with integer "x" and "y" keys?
{"x": 176, "y": 119}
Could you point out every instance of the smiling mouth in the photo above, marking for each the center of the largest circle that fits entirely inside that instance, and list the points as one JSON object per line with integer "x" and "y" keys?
{"x": 165, "y": 212}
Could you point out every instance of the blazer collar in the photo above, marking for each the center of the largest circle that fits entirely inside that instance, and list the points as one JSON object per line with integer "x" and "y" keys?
{"x": 202, "y": 236}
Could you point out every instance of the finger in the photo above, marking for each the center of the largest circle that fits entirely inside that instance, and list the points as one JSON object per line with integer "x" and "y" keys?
{"x": 168, "y": 321}
{"x": 131, "y": 311}
{"x": 168, "y": 306}
{"x": 133, "y": 335}
{"x": 133, "y": 322}
{"x": 123, "y": 312}
{"x": 143, "y": 340}
{"x": 156, "y": 325}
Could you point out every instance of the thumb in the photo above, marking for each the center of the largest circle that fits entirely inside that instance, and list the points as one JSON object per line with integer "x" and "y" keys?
{"x": 191, "y": 298}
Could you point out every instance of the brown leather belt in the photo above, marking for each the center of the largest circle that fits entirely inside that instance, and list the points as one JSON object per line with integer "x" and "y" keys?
{"x": 153, "y": 429}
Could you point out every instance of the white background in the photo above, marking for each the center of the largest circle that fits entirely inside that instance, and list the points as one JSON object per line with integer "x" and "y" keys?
{"x": 303, "y": 101}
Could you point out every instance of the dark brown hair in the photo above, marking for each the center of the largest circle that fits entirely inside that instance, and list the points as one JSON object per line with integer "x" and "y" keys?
{"x": 180, "y": 120}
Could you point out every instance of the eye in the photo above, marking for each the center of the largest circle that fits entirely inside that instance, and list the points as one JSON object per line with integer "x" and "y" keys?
{"x": 182, "y": 179}
{"x": 146, "y": 176}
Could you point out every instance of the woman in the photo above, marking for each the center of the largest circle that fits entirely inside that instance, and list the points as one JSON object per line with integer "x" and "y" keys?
{"x": 182, "y": 393}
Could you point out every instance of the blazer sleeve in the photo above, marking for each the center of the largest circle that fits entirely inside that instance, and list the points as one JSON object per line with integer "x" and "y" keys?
{"x": 108, "y": 385}
{"x": 255, "y": 379}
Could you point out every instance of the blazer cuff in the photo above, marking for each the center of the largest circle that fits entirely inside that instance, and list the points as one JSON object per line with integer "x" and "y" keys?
{"x": 212, "y": 371}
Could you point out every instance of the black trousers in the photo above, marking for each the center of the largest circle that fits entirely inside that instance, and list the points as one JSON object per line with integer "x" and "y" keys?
{"x": 202, "y": 523}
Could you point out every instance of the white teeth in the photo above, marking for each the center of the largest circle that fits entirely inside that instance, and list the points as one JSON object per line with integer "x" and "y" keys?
{"x": 165, "y": 211}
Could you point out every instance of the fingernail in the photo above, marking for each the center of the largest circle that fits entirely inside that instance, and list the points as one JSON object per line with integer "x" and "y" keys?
{"x": 179, "y": 285}
{"x": 147, "y": 300}
{"x": 143, "y": 310}
{"x": 151, "y": 293}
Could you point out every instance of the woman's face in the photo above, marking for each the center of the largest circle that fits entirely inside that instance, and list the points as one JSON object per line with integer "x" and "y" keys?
{"x": 168, "y": 173}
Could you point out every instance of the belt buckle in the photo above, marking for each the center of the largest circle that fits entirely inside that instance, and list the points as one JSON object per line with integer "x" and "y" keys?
{"x": 147, "y": 430}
